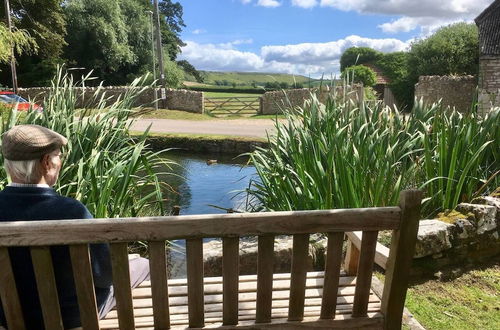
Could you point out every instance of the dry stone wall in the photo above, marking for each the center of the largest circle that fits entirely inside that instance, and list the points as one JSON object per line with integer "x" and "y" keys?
{"x": 455, "y": 91}
{"x": 274, "y": 102}
{"x": 177, "y": 99}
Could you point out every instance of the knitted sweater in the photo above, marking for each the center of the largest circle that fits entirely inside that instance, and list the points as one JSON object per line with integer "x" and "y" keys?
{"x": 35, "y": 203}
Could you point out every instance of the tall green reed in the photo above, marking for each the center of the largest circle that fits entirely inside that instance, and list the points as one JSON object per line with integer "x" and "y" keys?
{"x": 108, "y": 170}
{"x": 342, "y": 153}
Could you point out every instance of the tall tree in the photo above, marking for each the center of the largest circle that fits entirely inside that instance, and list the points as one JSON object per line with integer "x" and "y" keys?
{"x": 171, "y": 26}
{"x": 20, "y": 40}
{"x": 45, "y": 22}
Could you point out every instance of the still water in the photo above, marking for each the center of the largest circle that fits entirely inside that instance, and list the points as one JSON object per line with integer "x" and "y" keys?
{"x": 198, "y": 187}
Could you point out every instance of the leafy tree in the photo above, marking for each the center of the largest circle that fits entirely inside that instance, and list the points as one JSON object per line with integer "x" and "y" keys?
{"x": 453, "y": 49}
{"x": 19, "y": 39}
{"x": 173, "y": 73}
{"x": 395, "y": 67}
{"x": 191, "y": 70}
{"x": 358, "y": 55}
{"x": 360, "y": 74}
{"x": 171, "y": 26}
{"x": 45, "y": 22}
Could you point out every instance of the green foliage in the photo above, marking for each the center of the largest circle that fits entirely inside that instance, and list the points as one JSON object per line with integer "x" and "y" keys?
{"x": 395, "y": 67}
{"x": 45, "y": 22}
{"x": 171, "y": 26}
{"x": 108, "y": 170}
{"x": 360, "y": 74}
{"x": 452, "y": 49}
{"x": 189, "y": 69}
{"x": 20, "y": 40}
{"x": 358, "y": 55}
{"x": 339, "y": 155}
{"x": 173, "y": 74}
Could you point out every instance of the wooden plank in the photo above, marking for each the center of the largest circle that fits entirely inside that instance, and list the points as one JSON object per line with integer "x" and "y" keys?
{"x": 22, "y": 233}
{"x": 84, "y": 283}
{"x": 8, "y": 293}
{"x": 47, "y": 289}
{"x": 300, "y": 254}
{"x": 400, "y": 259}
{"x": 365, "y": 270}
{"x": 265, "y": 263}
{"x": 122, "y": 286}
{"x": 159, "y": 284}
{"x": 332, "y": 275}
{"x": 381, "y": 252}
{"x": 230, "y": 273}
{"x": 351, "y": 260}
{"x": 195, "y": 290}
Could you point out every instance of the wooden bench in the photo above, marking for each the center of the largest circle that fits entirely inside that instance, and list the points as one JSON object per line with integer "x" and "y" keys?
{"x": 299, "y": 299}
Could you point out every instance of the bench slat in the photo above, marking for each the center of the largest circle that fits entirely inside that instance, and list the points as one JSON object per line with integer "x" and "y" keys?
{"x": 194, "y": 257}
{"x": 121, "y": 285}
{"x": 265, "y": 263}
{"x": 230, "y": 273}
{"x": 84, "y": 283}
{"x": 159, "y": 284}
{"x": 332, "y": 275}
{"x": 8, "y": 293}
{"x": 298, "y": 276}
{"x": 47, "y": 289}
{"x": 365, "y": 270}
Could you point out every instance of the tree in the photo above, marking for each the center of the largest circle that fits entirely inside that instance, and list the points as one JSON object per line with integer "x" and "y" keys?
{"x": 360, "y": 74}
{"x": 45, "y": 22}
{"x": 191, "y": 70}
{"x": 358, "y": 55}
{"x": 171, "y": 26}
{"x": 173, "y": 73}
{"x": 453, "y": 49}
{"x": 20, "y": 40}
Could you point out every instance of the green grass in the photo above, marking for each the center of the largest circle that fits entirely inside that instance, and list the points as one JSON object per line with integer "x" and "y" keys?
{"x": 197, "y": 137}
{"x": 248, "y": 77}
{"x": 471, "y": 301}
{"x": 217, "y": 94}
{"x": 183, "y": 115}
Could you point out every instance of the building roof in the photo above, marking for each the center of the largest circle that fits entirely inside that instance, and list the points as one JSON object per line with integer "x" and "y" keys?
{"x": 488, "y": 23}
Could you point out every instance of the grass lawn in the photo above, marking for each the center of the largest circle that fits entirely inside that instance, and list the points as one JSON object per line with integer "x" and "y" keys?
{"x": 197, "y": 137}
{"x": 217, "y": 94}
{"x": 470, "y": 301}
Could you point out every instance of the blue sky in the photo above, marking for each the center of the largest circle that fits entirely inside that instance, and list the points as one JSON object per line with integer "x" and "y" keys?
{"x": 307, "y": 36}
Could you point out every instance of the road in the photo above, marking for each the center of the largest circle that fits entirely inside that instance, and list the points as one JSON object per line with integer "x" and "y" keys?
{"x": 234, "y": 127}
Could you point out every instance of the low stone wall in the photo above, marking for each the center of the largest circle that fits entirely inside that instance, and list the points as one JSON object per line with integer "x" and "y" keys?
{"x": 455, "y": 91}
{"x": 489, "y": 83}
{"x": 274, "y": 102}
{"x": 177, "y": 99}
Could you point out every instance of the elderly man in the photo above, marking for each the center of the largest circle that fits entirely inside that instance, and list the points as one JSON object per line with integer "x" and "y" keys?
{"x": 33, "y": 159}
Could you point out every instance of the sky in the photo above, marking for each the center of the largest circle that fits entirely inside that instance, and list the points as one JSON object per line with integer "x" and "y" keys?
{"x": 307, "y": 37}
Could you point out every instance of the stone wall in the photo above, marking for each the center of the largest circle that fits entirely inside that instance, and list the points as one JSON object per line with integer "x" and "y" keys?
{"x": 177, "y": 99}
{"x": 489, "y": 83}
{"x": 274, "y": 102}
{"x": 455, "y": 91}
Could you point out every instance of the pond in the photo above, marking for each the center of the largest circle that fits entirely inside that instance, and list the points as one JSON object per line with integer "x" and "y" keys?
{"x": 202, "y": 186}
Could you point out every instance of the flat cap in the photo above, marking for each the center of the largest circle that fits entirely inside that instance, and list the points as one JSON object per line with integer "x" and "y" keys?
{"x": 28, "y": 142}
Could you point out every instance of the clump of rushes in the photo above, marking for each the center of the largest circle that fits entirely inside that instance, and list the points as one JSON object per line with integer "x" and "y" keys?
{"x": 110, "y": 172}
{"x": 342, "y": 154}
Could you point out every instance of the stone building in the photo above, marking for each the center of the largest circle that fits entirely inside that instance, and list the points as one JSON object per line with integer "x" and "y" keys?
{"x": 488, "y": 23}
{"x": 384, "y": 93}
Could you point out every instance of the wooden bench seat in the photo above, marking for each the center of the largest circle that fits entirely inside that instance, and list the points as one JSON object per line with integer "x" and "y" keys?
{"x": 329, "y": 299}
{"x": 179, "y": 317}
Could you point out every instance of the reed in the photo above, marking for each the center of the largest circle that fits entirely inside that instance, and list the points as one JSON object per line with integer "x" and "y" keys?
{"x": 344, "y": 153}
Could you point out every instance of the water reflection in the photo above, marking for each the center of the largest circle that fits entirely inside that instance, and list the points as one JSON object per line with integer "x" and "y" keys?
{"x": 196, "y": 185}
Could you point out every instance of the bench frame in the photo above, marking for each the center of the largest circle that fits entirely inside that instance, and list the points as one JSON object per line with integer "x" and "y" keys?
{"x": 40, "y": 235}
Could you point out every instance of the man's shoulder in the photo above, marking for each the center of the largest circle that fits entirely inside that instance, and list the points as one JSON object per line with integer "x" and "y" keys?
{"x": 72, "y": 206}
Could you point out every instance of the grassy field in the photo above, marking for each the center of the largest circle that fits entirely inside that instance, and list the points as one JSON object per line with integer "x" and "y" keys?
{"x": 248, "y": 78}
{"x": 470, "y": 301}
{"x": 183, "y": 115}
{"x": 216, "y": 94}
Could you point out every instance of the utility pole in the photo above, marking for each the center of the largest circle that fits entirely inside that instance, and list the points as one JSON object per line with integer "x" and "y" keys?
{"x": 155, "y": 92}
{"x": 12, "y": 59}
{"x": 160, "y": 56}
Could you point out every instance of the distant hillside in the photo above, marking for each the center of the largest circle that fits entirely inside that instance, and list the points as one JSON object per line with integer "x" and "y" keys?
{"x": 249, "y": 78}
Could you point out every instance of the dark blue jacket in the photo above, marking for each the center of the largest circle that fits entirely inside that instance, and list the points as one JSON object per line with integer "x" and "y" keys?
{"x": 30, "y": 204}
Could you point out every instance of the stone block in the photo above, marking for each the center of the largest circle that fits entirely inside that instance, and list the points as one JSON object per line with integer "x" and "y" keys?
{"x": 485, "y": 216}
{"x": 433, "y": 238}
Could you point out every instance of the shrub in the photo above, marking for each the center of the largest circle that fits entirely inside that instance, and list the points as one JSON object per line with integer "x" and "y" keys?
{"x": 358, "y": 55}
{"x": 360, "y": 74}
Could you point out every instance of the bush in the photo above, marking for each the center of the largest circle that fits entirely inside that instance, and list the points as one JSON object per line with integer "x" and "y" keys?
{"x": 360, "y": 74}
{"x": 174, "y": 75}
{"x": 358, "y": 55}
{"x": 339, "y": 155}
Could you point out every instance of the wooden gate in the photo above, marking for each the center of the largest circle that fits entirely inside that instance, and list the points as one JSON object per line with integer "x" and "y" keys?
{"x": 232, "y": 106}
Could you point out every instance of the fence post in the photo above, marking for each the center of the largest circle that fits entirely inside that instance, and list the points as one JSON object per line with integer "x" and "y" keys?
{"x": 400, "y": 259}
{"x": 351, "y": 259}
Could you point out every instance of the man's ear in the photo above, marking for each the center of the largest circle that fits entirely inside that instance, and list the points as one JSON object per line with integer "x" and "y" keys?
{"x": 45, "y": 163}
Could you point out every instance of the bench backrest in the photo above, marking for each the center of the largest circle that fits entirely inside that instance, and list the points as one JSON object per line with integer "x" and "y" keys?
{"x": 77, "y": 234}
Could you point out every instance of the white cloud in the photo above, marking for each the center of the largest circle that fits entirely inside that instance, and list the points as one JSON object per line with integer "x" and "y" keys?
{"x": 269, "y": 3}
{"x": 305, "y": 3}
{"x": 426, "y": 14}
{"x": 307, "y": 59}
{"x": 199, "y": 31}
